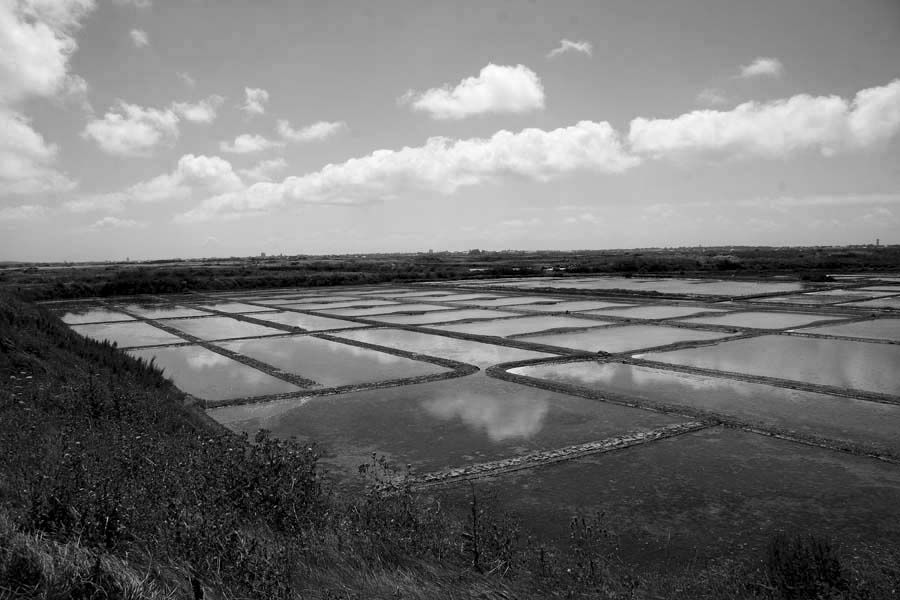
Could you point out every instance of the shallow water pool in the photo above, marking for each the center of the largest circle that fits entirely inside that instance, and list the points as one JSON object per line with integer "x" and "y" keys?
{"x": 622, "y": 339}
{"x": 331, "y": 363}
{"x": 508, "y": 327}
{"x": 473, "y": 353}
{"x": 439, "y": 424}
{"x": 821, "y": 415}
{"x": 127, "y": 335}
{"x": 212, "y": 376}
{"x": 841, "y": 363}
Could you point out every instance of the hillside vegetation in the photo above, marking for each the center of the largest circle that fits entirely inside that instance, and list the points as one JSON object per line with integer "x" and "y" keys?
{"x": 110, "y": 487}
{"x": 49, "y": 281}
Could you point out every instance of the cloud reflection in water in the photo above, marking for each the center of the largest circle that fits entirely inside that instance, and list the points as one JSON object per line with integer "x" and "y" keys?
{"x": 500, "y": 418}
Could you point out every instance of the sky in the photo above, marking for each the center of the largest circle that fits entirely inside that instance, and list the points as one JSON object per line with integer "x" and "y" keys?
{"x": 149, "y": 129}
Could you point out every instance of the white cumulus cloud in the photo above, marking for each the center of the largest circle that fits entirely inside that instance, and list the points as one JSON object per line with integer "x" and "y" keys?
{"x": 247, "y": 143}
{"x": 775, "y": 129}
{"x": 23, "y": 212}
{"x": 317, "y": 131}
{"x": 203, "y": 111}
{"x": 712, "y": 97}
{"x": 135, "y": 3}
{"x": 496, "y": 89}
{"x": 194, "y": 174}
{"x": 116, "y": 223}
{"x": 441, "y": 165}
{"x": 36, "y": 43}
{"x": 139, "y": 38}
{"x": 570, "y": 46}
{"x": 131, "y": 130}
{"x": 256, "y": 99}
{"x": 26, "y": 159}
{"x": 264, "y": 170}
{"x": 762, "y": 67}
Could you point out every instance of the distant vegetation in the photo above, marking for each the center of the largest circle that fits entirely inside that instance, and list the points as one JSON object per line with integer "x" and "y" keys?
{"x": 55, "y": 281}
{"x": 110, "y": 487}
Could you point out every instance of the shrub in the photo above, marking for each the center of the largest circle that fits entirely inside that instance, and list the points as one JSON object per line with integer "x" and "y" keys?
{"x": 804, "y": 567}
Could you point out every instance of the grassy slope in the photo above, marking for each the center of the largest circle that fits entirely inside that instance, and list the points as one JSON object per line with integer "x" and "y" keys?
{"x": 110, "y": 487}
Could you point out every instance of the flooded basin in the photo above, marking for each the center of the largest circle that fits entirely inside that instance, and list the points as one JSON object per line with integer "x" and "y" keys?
{"x": 622, "y": 339}
{"x": 653, "y": 312}
{"x": 343, "y": 304}
{"x": 879, "y": 329}
{"x": 807, "y": 299}
{"x": 509, "y": 300}
{"x": 234, "y": 307}
{"x": 212, "y": 376}
{"x": 456, "y": 297}
{"x": 439, "y": 424}
{"x": 892, "y": 302}
{"x": 162, "y": 311}
{"x": 473, "y": 353}
{"x": 307, "y": 322}
{"x": 127, "y": 335}
{"x": 295, "y": 299}
{"x": 507, "y": 327}
{"x": 384, "y": 310}
{"x": 91, "y": 314}
{"x": 443, "y": 316}
{"x": 568, "y": 306}
{"x": 859, "y": 422}
{"x": 716, "y": 493}
{"x": 840, "y": 363}
{"x": 862, "y": 294}
{"x": 417, "y": 294}
{"x": 380, "y": 291}
{"x": 762, "y": 319}
{"x": 701, "y": 287}
{"x": 220, "y": 328}
{"x": 331, "y": 363}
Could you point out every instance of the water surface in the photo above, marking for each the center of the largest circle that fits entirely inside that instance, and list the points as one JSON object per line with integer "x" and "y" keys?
{"x": 622, "y": 339}
{"x": 220, "y": 328}
{"x": 474, "y": 353}
{"x": 212, "y": 376}
{"x": 507, "y": 327}
{"x": 653, "y": 312}
{"x": 841, "y": 363}
{"x": 570, "y": 306}
{"x": 307, "y": 322}
{"x": 762, "y": 319}
{"x": 509, "y": 300}
{"x": 443, "y": 316}
{"x": 820, "y": 415}
{"x": 879, "y": 329}
{"x": 162, "y": 311}
{"x": 890, "y": 302}
{"x": 127, "y": 335}
{"x": 331, "y": 363}
{"x": 384, "y": 310}
{"x": 713, "y": 494}
{"x": 234, "y": 307}
{"x": 440, "y": 424}
{"x": 298, "y": 299}
{"x": 92, "y": 314}
{"x": 343, "y": 304}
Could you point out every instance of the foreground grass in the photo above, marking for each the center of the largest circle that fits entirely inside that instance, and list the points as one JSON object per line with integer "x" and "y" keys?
{"x": 111, "y": 488}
